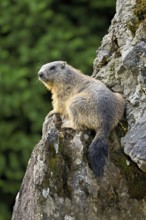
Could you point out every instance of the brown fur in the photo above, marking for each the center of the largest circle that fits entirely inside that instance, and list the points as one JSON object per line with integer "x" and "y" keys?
{"x": 83, "y": 101}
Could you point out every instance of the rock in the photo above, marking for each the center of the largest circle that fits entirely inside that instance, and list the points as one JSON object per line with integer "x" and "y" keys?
{"x": 135, "y": 143}
{"x": 59, "y": 184}
{"x": 125, "y": 71}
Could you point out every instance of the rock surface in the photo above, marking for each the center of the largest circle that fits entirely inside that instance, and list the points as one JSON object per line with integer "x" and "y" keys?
{"x": 135, "y": 143}
{"x": 58, "y": 184}
{"x": 121, "y": 64}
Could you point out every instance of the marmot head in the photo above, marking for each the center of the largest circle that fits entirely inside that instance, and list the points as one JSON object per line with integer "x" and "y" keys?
{"x": 58, "y": 74}
{"x": 51, "y": 71}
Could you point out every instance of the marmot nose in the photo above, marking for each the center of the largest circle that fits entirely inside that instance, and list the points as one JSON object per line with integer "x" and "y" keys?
{"x": 40, "y": 74}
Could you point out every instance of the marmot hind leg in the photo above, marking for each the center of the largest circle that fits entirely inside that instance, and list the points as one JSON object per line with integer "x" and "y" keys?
{"x": 78, "y": 112}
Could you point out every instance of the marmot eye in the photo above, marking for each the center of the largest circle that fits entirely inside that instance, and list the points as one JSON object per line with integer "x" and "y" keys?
{"x": 52, "y": 68}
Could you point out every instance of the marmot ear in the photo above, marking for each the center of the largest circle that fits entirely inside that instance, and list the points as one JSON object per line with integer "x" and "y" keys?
{"x": 63, "y": 64}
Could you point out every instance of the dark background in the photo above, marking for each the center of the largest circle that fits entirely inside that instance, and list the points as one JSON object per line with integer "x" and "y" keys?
{"x": 32, "y": 34}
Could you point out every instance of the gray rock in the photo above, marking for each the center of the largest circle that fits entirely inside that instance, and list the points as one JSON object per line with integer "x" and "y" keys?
{"x": 135, "y": 143}
{"x": 125, "y": 71}
{"x": 61, "y": 186}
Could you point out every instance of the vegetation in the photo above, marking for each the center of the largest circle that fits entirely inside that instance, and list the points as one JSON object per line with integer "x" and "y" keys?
{"x": 33, "y": 33}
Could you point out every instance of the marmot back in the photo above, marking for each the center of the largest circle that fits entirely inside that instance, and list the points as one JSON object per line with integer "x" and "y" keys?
{"x": 84, "y": 103}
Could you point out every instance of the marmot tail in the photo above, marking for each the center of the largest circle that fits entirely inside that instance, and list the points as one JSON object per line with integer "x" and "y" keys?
{"x": 97, "y": 154}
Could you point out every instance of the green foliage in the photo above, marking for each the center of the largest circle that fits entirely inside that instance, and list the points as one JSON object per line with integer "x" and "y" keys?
{"x": 33, "y": 33}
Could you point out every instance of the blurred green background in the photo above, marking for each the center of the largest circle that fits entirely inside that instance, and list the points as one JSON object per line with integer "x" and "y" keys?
{"x": 33, "y": 33}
